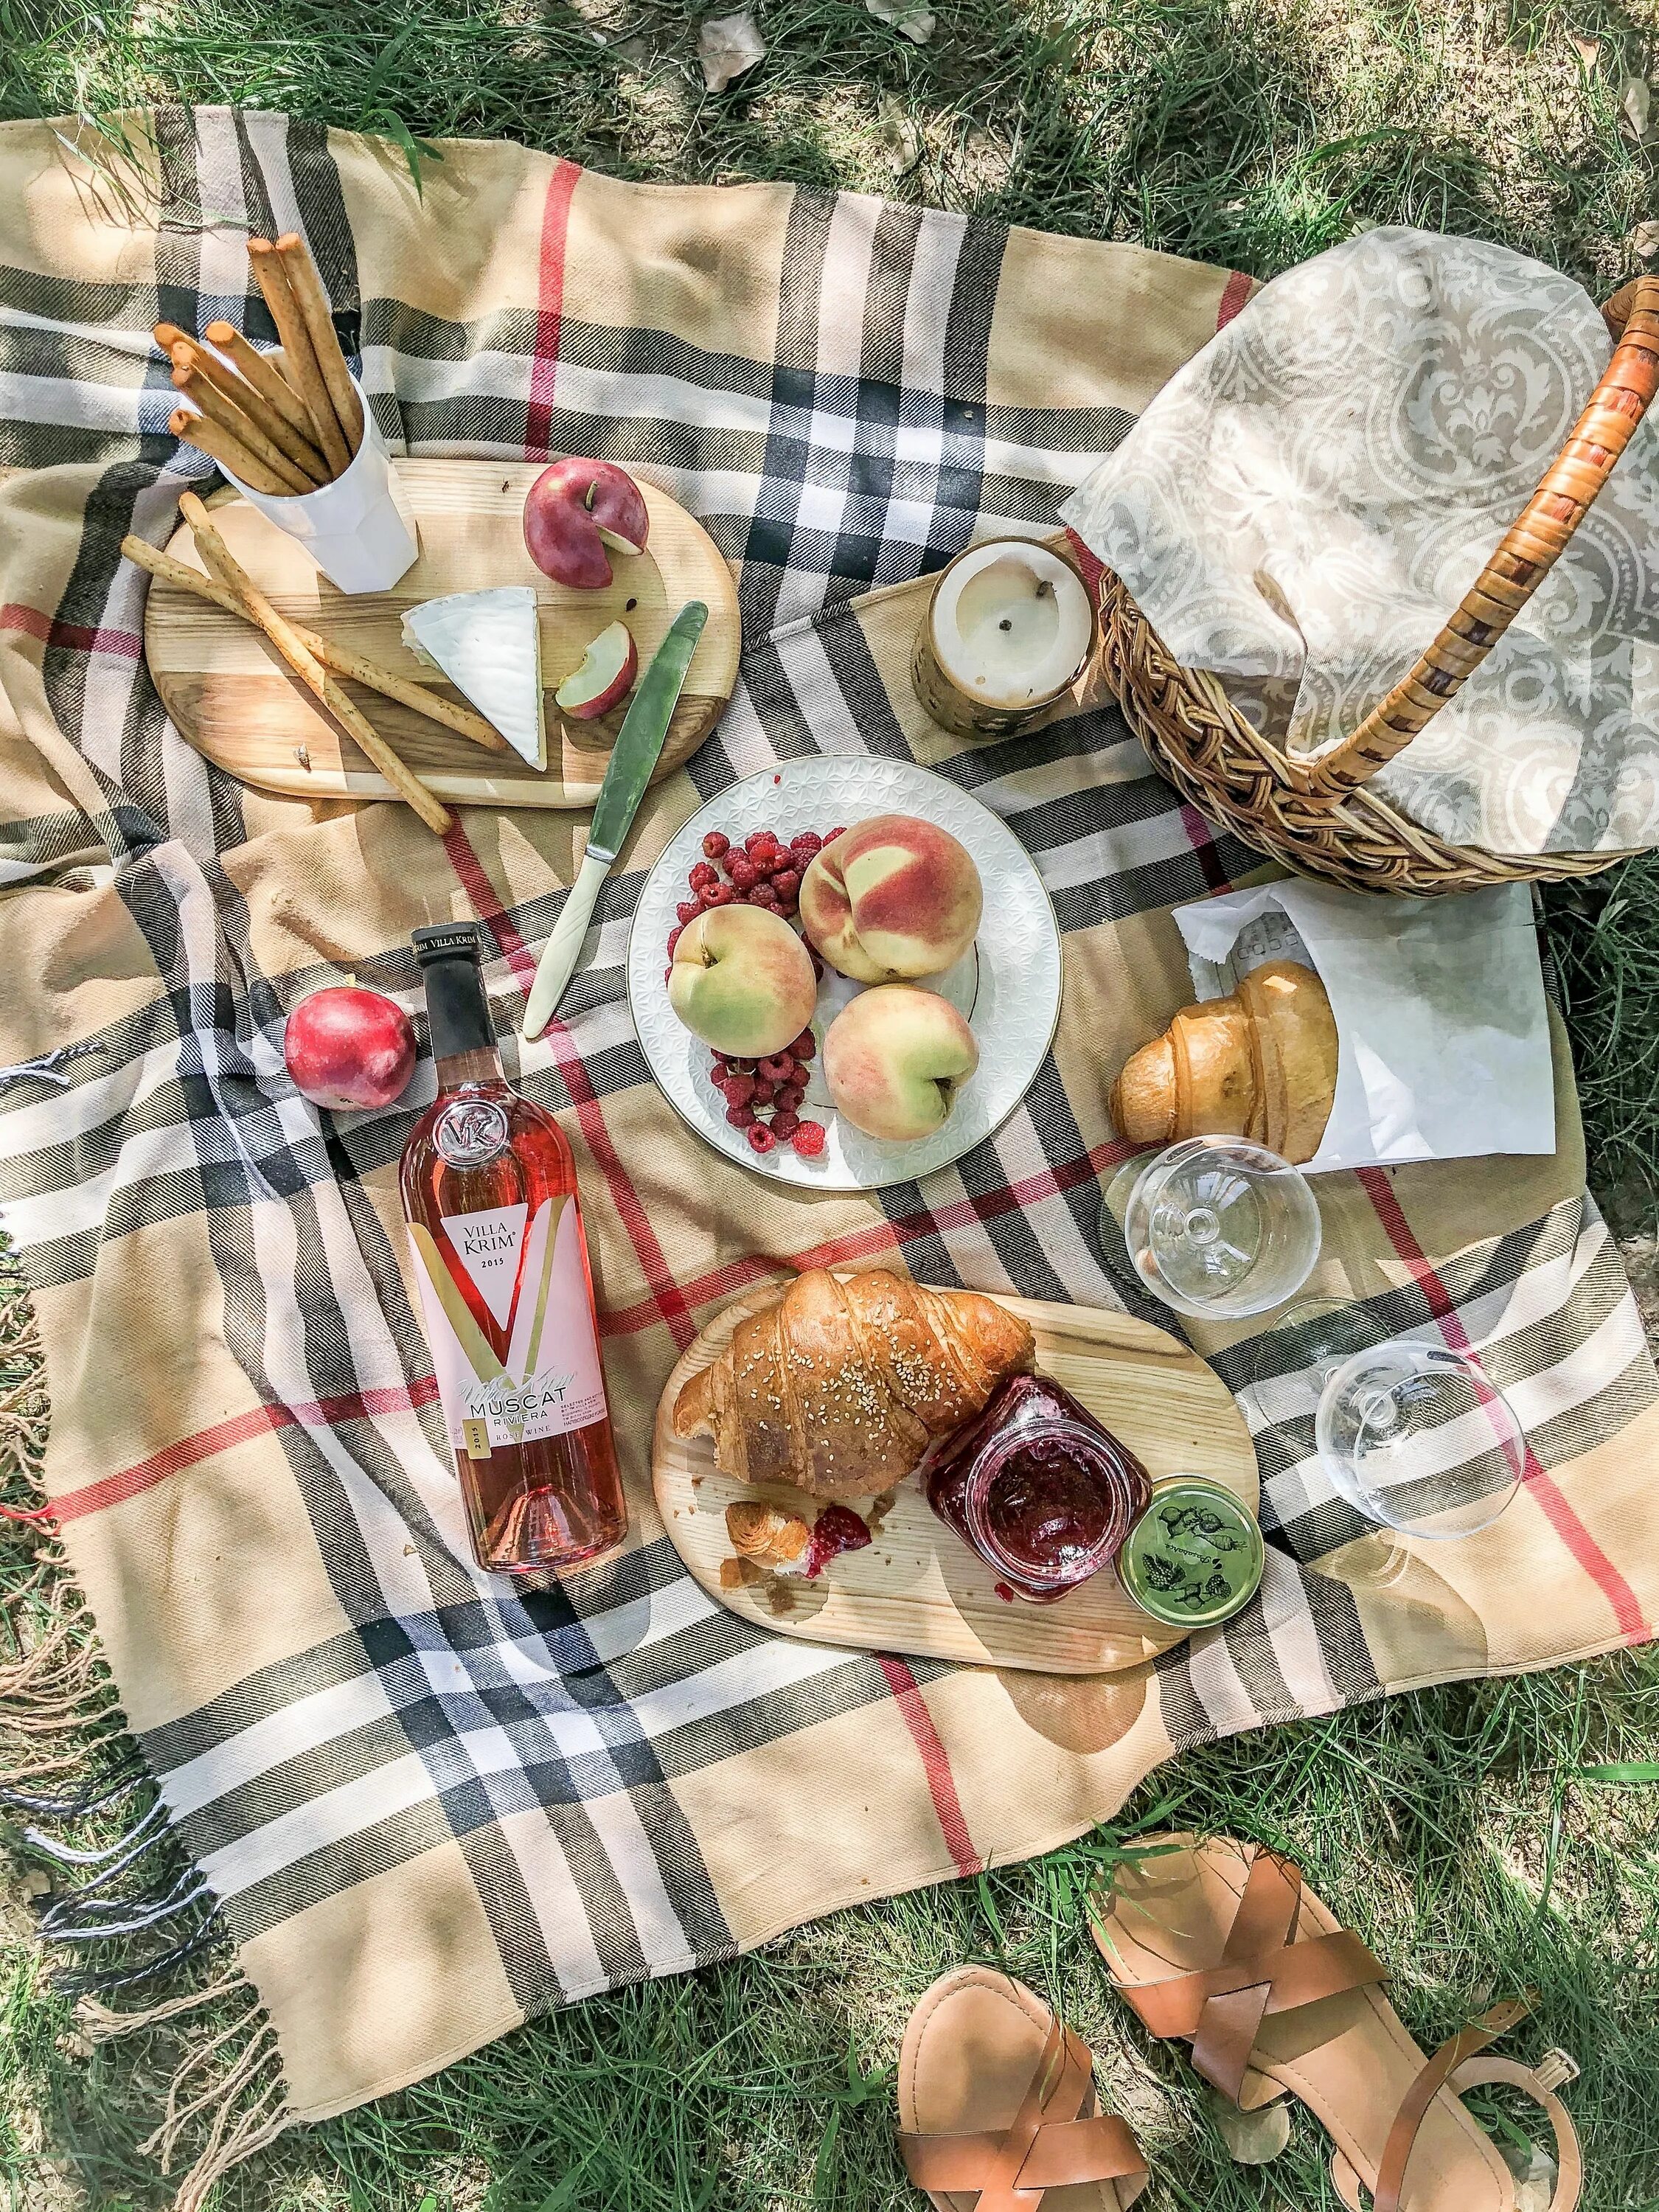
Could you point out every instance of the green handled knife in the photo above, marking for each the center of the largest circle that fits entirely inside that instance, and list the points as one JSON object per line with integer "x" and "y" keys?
{"x": 633, "y": 759}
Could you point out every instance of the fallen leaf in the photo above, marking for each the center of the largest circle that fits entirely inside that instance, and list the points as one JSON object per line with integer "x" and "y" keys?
{"x": 1252, "y": 2138}
{"x": 1589, "y": 50}
{"x": 1635, "y": 98}
{"x": 907, "y": 15}
{"x": 728, "y": 46}
{"x": 1644, "y": 241}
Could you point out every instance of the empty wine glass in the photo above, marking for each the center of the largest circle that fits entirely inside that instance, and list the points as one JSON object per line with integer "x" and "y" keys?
{"x": 1419, "y": 1438}
{"x": 1215, "y": 1227}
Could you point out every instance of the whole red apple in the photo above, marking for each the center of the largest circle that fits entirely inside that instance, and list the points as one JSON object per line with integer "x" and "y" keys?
{"x": 572, "y": 511}
{"x": 346, "y": 1047}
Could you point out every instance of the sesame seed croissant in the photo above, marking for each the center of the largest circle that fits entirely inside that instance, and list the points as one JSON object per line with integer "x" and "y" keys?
{"x": 842, "y": 1386}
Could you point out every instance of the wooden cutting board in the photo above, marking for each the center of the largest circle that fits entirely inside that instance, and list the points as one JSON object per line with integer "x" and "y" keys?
{"x": 917, "y": 1588}
{"x": 235, "y": 701}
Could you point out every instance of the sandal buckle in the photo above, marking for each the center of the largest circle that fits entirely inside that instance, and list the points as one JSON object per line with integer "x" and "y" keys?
{"x": 1555, "y": 2069}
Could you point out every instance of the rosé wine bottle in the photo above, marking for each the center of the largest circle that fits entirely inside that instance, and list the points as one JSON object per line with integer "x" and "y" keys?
{"x": 488, "y": 1184}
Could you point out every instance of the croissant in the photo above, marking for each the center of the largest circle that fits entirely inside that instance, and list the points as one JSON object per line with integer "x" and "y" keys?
{"x": 842, "y": 1386}
{"x": 1261, "y": 1065}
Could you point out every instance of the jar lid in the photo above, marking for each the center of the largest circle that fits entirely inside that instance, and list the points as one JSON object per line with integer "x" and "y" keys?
{"x": 1195, "y": 1555}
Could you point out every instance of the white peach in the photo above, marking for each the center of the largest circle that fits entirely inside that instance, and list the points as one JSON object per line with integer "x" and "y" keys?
{"x": 892, "y": 898}
{"x": 742, "y": 981}
{"x": 895, "y": 1058}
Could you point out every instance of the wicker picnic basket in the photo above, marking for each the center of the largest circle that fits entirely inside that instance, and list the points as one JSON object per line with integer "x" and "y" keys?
{"x": 1314, "y": 813}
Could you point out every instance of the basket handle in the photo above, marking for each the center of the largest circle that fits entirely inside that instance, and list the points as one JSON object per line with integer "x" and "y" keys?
{"x": 1529, "y": 550}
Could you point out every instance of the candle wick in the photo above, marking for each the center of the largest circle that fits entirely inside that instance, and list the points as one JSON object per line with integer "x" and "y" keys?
{"x": 1004, "y": 623}
{"x": 1045, "y": 589}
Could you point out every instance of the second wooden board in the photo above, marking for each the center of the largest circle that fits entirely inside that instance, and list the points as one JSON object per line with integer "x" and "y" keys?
{"x": 918, "y": 1588}
{"x": 234, "y": 699}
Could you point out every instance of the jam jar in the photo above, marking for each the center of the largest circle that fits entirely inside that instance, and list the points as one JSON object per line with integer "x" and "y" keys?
{"x": 1038, "y": 1488}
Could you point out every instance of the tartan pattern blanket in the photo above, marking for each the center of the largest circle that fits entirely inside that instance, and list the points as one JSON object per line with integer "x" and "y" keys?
{"x": 426, "y": 1803}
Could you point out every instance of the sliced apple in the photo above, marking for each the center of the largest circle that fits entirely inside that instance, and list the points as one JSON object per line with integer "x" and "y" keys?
{"x": 605, "y": 677}
{"x": 573, "y": 510}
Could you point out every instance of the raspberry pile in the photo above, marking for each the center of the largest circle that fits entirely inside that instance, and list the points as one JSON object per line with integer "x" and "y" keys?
{"x": 763, "y": 1097}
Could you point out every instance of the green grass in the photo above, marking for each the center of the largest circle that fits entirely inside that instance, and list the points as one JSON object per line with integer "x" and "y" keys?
{"x": 1450, "y": 1827}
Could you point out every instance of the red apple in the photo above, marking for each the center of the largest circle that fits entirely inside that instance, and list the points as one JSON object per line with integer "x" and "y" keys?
{"x": 572, "y": 511}
{"x": 605, "y": 677}
{"x": 346, "y": 1047}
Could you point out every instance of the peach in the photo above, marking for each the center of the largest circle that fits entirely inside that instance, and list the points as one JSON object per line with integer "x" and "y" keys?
{"x": 742, "y": 981}
{"x": 893, "y": 896}
{"x": 895, "y": 1058}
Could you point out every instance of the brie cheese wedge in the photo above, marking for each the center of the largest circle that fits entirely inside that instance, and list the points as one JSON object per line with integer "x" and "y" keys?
{"x": 489, "y": 645}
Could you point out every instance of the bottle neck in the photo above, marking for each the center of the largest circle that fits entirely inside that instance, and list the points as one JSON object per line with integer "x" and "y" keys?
{"x": 481, "y": 1065}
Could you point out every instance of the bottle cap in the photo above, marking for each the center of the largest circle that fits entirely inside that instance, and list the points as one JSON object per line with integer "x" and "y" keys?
{"x": 1195, "y": 1556}
{"x": 445, "y": 940}
{"x": 457, "y": 1015}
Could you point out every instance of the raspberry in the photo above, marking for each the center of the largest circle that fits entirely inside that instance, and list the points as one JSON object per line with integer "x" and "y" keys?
{"x": 702, "y": 875}
{"x": 804, "y": 844}
{"x": 787, "y": 883}
{"x": 758, "y": 841}
{"x": 785, "y": 1122}
{"x": 739, "y": 1089}
{"x": 831, "y": 835}
{"x": 761, "y": 1137}
{"x": 717, "y": 895}
{"x": 718, "y": 1070}
{"x": 778, "y": 1068}
{"x": 687, "y": 910}
{"x": 763, "y": 894}
{"x": 668, "y": 975}
{"x": 762, "y": 1093}
{"x": 789, "y": 908}
{"x": 790, "y": 1096}
{"x": 807, "y": 1138}
{"x": 674, "y": 937}
{"x": 743, "y": 873}
{"x": 804, "y": 1047}
{"x": 741, "y": 1117}
{"x": 715, "y": 843}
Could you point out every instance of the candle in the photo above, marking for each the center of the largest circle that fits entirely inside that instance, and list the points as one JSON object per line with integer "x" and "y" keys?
{"x": 1008, "y": 630}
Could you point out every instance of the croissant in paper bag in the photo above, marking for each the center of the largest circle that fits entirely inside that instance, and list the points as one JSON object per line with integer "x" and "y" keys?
{"x": 842, "y": 1386}
{"x": 1260, "y": 1064}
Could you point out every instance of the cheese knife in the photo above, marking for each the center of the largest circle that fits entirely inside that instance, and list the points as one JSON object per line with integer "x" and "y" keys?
{"x": 633, "y": 759}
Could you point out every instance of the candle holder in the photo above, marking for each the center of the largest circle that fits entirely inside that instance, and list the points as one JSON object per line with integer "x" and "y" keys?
{"x": 1009, "y": 629}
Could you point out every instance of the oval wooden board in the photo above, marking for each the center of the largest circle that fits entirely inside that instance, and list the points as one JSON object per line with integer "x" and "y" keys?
{"x": 917, "y": 1589}
{"x": 235, "y": 701}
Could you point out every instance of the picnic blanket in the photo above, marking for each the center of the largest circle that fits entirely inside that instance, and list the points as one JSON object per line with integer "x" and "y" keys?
{"x": 429, "y": 1802}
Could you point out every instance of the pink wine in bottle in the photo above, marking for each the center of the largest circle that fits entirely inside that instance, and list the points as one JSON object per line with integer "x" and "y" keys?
{"x": 489, "y": 1191}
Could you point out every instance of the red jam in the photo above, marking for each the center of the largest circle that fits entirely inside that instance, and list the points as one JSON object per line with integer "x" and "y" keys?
{"x": 837, "y": 1529}
{"x": 1038, "y": 1488}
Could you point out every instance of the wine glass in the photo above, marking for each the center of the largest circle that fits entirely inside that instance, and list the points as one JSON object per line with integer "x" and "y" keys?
{"x": 1215, "y": 1227}
{"x": 1419, "y": 1439}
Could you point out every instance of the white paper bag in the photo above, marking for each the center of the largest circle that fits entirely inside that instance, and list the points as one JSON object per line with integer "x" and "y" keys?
{"x": 1444, "y": 1042}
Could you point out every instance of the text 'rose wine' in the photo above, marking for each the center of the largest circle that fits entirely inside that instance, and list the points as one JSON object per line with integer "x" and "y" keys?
{"x": 489, "y": 1190}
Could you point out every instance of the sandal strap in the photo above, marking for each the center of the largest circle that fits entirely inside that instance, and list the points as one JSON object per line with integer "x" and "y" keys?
{"x": 1451, "y": 2059}
{"x": 1050, "y": 2143}
{"x": 1262, "y": 1970}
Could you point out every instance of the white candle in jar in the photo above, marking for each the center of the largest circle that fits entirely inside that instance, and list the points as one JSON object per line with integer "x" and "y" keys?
{"x": 1012, "y": 624}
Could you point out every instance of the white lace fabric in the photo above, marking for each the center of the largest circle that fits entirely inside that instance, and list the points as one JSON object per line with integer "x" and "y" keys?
{"x": 1302, "y": 506}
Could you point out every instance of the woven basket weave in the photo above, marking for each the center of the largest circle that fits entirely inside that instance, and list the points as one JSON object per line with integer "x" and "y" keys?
{"x": 1313, "y": 812}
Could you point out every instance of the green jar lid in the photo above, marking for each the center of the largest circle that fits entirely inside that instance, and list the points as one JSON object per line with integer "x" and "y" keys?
{"x": 1194, "y": 1556}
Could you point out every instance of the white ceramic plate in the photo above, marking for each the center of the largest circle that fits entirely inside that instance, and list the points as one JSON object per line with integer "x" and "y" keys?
{"x": 1008, "y": 985}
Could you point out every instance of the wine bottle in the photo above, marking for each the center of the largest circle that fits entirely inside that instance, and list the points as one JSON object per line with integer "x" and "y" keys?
{"x": 488, "y": 1184}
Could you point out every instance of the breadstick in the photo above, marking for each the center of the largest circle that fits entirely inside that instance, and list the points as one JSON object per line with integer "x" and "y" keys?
{"x": 206, "y": 397}
{"x": 263, "y": 372}
{"x": 168, "y": 334}
{"x": 307, "y": 286}
{"x": 310, "y": 670}
{"x": 228, "y": 572}
{"x": 419, "y": 698}
{"x": 298, "y": 448}
{"x": 229, "y": 453}
{"x": 299, "y": 361}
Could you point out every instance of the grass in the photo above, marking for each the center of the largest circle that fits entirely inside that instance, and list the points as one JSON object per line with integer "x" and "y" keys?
{"x": 1455, "y": 1828}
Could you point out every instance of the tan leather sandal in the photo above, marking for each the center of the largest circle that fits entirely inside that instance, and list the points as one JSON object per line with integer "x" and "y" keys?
{"x": 1220, "y": 1944}
{"x": 998, "y": 2109}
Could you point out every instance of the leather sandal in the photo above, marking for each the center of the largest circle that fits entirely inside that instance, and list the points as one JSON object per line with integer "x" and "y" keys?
{"x": 1220, "y": 1944}
{"x": 998, "y": 2109}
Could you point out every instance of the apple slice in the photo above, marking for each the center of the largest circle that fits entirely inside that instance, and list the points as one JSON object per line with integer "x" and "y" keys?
{"x": 605, "y": 677}
{"x": 572, "y": 511}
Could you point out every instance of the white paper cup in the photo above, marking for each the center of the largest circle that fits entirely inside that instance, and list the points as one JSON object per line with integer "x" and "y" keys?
{"x": 351, "y": 528}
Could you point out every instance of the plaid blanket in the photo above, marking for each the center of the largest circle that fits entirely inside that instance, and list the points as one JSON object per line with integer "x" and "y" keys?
{"x": 426, "y": 1802}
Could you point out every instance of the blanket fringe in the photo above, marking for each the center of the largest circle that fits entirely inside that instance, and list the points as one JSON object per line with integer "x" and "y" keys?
{"x": 116, "y": 1885}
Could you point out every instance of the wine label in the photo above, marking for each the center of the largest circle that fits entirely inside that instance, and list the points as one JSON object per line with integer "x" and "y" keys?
{"x": 530, "y": 1278}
